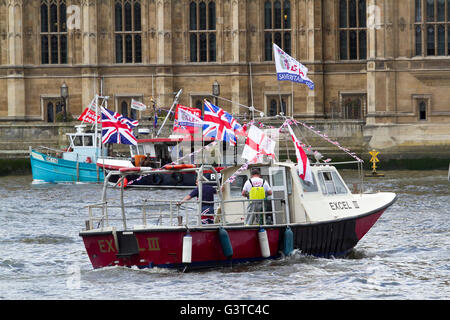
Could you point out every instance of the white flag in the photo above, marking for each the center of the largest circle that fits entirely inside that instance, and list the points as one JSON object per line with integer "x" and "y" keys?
{"x": 290, "y": 69}
{"x": 138, "y": 105}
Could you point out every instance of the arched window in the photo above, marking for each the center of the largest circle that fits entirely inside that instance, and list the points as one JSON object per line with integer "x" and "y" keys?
{"x": 202, "y": 29}
{"x": 422, "y": 110}
{"x": 277, "y": 26}
{"x": 53, "y": 32}
{"x": 352, "y": 29}
{"x": 50, "y": 112}
{"x": 124, "y": 108}
{"x": 432, "y": 29}
{"x": 128, "y": 31}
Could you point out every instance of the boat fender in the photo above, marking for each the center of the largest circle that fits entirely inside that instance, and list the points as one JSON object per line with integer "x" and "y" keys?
{"x": 178, "y": 177}
{"x": 187, "y": 248}
{"x": 225, "y": 242}
{"x": 157, "y": 178}
{"x": 288, "y": 241}
{"x": 125, "y": 183}
{"x": 264, "y": 243}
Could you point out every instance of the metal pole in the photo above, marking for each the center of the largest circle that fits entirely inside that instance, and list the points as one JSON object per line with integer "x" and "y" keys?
{"x": 122, "y": 205}
{"x": 175, "y": 101}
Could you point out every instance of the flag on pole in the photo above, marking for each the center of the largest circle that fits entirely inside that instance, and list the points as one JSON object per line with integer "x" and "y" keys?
{"x": 290, "y": 69}
{"x": 89, "y": 113}
{"x": 137, "y": 105}
{"x": 219, "y": 124}
{"x": 117, "y": 129}
{"x": 304, "y": 167}
{"x": 257, "y": 145}
{"x": 187, "y": 120}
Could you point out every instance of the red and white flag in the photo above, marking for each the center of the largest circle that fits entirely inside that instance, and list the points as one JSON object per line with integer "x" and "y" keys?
{"x": 89, "y": 114}
{"x": 304, "y": 167}
{"x": 257, "y": 145}
{"x": 187, "y": 120}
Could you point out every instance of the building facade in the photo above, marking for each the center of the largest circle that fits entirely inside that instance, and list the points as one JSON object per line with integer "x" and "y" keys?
{"x": 375, "y": 61}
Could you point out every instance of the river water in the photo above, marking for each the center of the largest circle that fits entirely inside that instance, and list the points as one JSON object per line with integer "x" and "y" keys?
{"x": 404, "y": 256}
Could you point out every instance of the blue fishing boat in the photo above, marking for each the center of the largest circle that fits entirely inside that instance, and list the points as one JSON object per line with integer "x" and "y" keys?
{"x": 77, "y": 163}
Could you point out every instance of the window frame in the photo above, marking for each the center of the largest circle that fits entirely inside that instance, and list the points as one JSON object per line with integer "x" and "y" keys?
{"x": 423, "y": 25}
{"x": 136, "y": 54}
{"x": 60, "y": 33}
{"x": 207, "y": 52}
{"x": 357, "y": 28}
{"x": 272, "y": 30}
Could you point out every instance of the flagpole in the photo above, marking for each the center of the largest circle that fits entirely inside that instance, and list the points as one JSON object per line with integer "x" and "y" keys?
{"x": 251, "y": 91}
{"x": 175, "y": 101}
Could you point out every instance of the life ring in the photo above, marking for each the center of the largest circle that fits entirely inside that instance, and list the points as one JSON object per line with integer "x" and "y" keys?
{"x": 178, "y": 166}
{"x": 157, "y": 179}
{"x": 178, "y": 177}
{"x": 88, "y": 160}
{"x": 125, "y": 183}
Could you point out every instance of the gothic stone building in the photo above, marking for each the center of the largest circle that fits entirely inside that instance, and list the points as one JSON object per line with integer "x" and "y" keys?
{"x": 377, "y": 61}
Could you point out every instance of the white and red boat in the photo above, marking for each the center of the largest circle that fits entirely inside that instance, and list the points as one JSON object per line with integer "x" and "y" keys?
{"x": 322, "y": 219}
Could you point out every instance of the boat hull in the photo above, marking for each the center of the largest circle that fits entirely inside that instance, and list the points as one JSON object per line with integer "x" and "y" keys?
{"x": 48, "y": 169}
{"x": 163, "y": 247}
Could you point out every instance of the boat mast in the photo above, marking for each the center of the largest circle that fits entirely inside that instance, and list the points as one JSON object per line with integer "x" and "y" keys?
{"x": 175, "y": 101}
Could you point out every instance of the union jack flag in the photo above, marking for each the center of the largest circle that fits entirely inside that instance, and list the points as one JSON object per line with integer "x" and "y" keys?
{"x": 117, "y": 129}
{"x": 219, "y": 124}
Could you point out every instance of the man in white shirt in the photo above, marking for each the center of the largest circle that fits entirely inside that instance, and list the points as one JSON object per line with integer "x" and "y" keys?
{"x": 255, "y": 206}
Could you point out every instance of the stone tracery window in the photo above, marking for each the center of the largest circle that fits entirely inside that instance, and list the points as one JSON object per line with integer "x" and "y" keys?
{"x": 53, "y": 33}
{"x": 352, "y": 30}
{"x": 202, "y": 31}
{"x": 432, "y": 27}
{"x": 277, "y": 26}
{"x": 128, "y": 31}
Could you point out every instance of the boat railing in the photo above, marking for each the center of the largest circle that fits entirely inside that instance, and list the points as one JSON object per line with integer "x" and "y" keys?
{"x": 160, "y": 213}
{"x": 57, "y": 153}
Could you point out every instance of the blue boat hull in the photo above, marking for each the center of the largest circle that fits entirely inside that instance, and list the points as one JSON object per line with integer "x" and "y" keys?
{"x": 56, "y": 170}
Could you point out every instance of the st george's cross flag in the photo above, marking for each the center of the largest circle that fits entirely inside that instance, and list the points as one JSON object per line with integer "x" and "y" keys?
{"x": 304, "y": 167}
{"x": 290, "y": 69}
{"x": 219, "y": 124}
{"x": 257, "y": 145}
{"x": 117, "y": 129}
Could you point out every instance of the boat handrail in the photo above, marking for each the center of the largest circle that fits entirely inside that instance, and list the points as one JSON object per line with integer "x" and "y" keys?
{"x": 47, "y": 149}
{"x": 173, "y": 212}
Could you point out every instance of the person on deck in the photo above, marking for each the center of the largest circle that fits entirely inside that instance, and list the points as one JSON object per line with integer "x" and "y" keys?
{"x": 256, "y": 189}
{"x": 208, "y": 193}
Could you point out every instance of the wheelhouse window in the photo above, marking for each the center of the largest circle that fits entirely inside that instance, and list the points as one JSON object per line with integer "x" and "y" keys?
{"x": 308, "y": 186}
{"x": 432, "y": 27}
{"x": 352, "y": 30}
{"x": 277, "y": 27}
{"x": 202, "y": 31}
{"x": 128, "y": 31}
{"x": 53, "y": 33}
{"x": 331, "y": 183}
{"x": 237, "y": 185}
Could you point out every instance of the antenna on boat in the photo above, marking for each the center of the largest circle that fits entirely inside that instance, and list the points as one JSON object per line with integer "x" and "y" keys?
{"x": 175, "y": 101}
